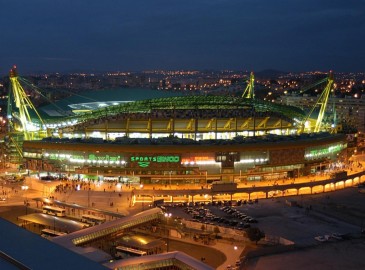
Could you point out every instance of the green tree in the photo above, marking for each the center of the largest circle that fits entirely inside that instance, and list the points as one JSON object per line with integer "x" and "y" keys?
{"x": 254, "y": 234}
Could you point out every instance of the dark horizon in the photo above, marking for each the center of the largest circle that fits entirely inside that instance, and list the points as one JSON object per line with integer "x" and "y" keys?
{"x": 91, "y": 36}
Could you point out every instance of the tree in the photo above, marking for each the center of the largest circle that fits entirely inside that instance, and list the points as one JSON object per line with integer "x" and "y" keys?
{"x": 254, "y": 234}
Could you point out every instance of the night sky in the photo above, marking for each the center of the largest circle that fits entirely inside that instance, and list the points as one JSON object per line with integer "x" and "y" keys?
{"x": 134, "y": 35}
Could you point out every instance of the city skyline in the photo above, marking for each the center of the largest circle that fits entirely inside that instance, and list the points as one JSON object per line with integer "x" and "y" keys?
{"x": 98, "y": 36}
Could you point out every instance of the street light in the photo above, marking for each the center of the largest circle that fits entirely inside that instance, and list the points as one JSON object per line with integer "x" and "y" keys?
{"x": 4, "y": 160}
{"x": 206, "y": 179}
{"x": 167, "y": 216}
{"x": 25, "y": 188}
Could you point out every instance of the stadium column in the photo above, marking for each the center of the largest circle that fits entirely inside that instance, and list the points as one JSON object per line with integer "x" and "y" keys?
{"x": 170, "y": 178}
{"x": 216, "y": 128}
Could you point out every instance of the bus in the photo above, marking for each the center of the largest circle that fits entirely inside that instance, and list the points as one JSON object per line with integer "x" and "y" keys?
{"x": 126, "y": 252}
{"x": 54, "y": 211}
{"x": 48, "y": 233}
{"x": 92, "y": 220}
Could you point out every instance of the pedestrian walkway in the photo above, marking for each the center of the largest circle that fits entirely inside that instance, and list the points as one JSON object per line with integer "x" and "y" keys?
{"x": 231, "y": 250}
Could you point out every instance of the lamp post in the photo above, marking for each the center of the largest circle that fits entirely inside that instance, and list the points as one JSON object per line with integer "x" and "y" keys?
{"x": 25, "y": 188}
{"x": 167, "y": 216}
{"x": 88, "y": 193}
{"x": 206, "y": 179}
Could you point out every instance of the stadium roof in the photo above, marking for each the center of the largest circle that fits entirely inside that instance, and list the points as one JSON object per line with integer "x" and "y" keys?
{"x": 251, "y": 106}
{"x": 109, "y": 102}
{"x": 92, "y": 100}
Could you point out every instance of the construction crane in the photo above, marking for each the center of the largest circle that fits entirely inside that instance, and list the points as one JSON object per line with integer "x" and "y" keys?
{"x": 249, "y": 91}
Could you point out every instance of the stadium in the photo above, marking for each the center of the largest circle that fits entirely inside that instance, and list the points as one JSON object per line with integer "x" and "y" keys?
{"x": 174, "y": 138}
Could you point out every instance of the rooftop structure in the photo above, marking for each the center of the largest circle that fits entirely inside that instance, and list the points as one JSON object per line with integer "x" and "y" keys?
{"x": 170, "y": 260}
{"x": 21, "y": 249}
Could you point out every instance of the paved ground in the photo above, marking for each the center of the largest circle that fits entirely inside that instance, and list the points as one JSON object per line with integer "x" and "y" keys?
{"x": 327, "y": 256}
{"x": 341, "y": 211}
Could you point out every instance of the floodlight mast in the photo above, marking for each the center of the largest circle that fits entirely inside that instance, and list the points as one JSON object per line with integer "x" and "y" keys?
{"x": 22, "y": 103}
{"x": 249, "y": 91}
{"x": 322, "y": 101}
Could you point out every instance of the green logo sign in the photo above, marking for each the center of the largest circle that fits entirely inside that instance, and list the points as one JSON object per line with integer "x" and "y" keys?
{"x": 144, "y": 164}
{"x": 90, "y": 157}
{"x": 145, "y": 161}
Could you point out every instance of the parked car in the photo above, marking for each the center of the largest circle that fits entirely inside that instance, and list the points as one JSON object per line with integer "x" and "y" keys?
{"x": 252, "y": 220}
{"x": 336, "y": 236}
{"x": 321, "y": 238}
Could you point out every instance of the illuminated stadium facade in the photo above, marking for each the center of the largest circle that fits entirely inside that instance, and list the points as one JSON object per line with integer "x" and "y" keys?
{"x": 181, "y": 139}
{"x": 173, "y": 161}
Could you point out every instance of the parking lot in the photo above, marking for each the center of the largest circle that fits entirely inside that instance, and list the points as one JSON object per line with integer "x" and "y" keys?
{"x": 309, "y": 218}
{"x": 221, "y": 213}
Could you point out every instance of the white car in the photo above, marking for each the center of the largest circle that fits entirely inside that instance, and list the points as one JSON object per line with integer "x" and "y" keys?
{"x": 336, "y": 236}
{"x": 321, "y": 238}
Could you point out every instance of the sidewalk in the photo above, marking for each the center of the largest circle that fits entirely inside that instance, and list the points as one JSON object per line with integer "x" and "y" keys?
{"x": 231, "y": 250}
